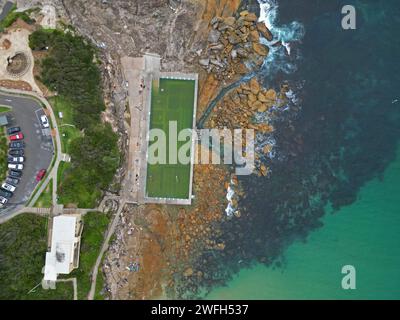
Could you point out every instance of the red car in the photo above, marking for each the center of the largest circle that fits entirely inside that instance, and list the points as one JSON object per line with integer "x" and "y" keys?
{"x": 18, "y": 136}
{"x": 40, "y": 175}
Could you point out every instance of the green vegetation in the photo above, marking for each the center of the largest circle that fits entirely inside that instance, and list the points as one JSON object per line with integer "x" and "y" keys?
{"x": 172, "y": 101}
{"x": 95, "y": 226}
{"x": 69, "y": 69}
{"x": 3, "y": 154}
{"x": 68, "y": 131}
{"x": 45, "y": 199}
{"x": 4, "y": 109}
{"x": 23, "y": 245}
{"x": 13, "y": 16}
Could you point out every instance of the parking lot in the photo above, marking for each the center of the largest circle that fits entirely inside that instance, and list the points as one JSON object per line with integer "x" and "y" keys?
{"x": 39, "y": 149}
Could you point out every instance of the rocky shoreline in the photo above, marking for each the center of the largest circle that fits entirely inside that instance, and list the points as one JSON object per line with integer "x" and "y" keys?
{"x": 157, "y": 250}
{"x": 167, "y": 242}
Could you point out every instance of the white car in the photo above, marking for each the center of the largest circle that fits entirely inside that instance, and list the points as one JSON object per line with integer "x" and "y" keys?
{"x": 15, "y": 166}
{"x": 16, "y": 159}
{"x": 44, "y": 121}
{"x": 8, "y": 187}
{"x": 3, "y": 201}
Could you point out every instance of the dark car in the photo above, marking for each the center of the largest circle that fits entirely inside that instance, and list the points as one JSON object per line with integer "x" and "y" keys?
{"x": 13, "y": 130}
{"x": 12, "y": 181}
{"x": 15, "y": 174}
{"x": 17, "y": 145}
{"x": 6, "y": 194}
{"x": 16, "y": 152}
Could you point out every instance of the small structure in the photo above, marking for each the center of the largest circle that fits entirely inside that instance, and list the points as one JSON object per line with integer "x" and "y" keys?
{"x": 3, "y": 121}
{"x": 65, "y": 245}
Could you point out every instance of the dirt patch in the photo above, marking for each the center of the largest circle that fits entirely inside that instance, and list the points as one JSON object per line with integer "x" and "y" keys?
{"x": 16, "y": 84}
{"x": 16, "y": 56}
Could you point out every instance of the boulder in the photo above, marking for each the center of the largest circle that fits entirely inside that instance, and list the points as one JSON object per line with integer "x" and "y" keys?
{"x": 264, "y": 31}
{"x": 214, "y": 21}
{"x": 260, "y": 49}
{"x": 250, "y": 17}
{"x": 263, "y": 170}
{"x": 242, "y": 53}
{"x": 261, "y": 97}
{"x": 204, "y": 62}
{"x": 271, "y": 95}
{"x": 262, "y": 108}
{"x": 254, "y": 36}
{"x": 217, "y": 46}
{"x": 252, "y": 97}
{"x": 214, "y": 36}
{"x": 254, "y": 86}
{"x": 217, "y": 63}
{"x": 234, "y": 39}
{"x": 229, "y": 21}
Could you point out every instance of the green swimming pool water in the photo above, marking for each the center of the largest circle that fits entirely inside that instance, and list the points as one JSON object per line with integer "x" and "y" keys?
{"x": 365, "y": 235}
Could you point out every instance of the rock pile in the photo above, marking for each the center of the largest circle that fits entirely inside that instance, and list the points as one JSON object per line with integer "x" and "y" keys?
{"x": 234, "y": 45}
{"x": 237, "y": 108}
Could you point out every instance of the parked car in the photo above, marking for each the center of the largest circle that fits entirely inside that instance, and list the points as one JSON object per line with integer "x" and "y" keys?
{"x": 3, "y": 201}
{"x": 15, "y": 174}
{"x": 16, "y": 159}
{"x": 13, "y": 130}
{"x": 13, "y": 181}
{"x": 16, "y": 166}
{"x": 17, "y": 145}
{"x": 6, "y": 194}
{"x": 16, "y": 137}
{"x": 16, "y": 152}
{"x": 40, "y": 174}
{"x": 44, "y": 121}
{"x": 8, "y": 187}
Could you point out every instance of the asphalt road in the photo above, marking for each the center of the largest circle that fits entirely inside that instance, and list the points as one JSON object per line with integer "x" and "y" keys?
{"x": 6, "y": 9}
{"x": 39, "y": 149}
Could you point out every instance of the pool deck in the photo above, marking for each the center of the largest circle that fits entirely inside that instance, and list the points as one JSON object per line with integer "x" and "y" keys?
{"x": 139, "y": 74}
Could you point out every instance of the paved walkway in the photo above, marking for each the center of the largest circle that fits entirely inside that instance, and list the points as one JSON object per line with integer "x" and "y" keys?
{"x": 104, "y": 248}
{"x": 138, "y": 73}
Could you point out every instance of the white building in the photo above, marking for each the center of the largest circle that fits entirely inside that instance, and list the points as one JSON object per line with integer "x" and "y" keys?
{"x": 65, "y": 244}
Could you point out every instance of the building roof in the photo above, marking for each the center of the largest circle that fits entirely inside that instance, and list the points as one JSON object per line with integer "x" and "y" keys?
{"x": 61, "y": 255}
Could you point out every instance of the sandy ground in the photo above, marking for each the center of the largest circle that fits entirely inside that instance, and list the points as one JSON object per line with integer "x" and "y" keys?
{"x": 19, "y": 39}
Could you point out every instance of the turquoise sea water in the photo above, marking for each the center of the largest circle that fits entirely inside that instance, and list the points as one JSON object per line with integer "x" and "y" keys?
{"x": 364, "y": 234}
{"x": 335, "y": 151}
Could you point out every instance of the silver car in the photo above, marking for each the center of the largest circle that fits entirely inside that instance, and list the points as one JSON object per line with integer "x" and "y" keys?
{"x": 44, "y": 121}
{"x": 3, "y": 201}
{"x": 15, "y": 166}
{"x": 8, "y": 187}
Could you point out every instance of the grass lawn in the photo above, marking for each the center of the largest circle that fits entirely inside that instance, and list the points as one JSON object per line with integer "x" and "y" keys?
{"x": 3, "y": 154}
{"x": 95, "y": 226}
{"x": 23, "y": 245}
{"x": 45, "y": 199}
{"x": 172, "y": 101}
{"x": 88, "y": 198}
{"x": 4, "y": 109}
{"x": 68, "y": 131}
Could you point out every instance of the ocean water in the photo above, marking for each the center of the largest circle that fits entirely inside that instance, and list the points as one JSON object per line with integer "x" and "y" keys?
{"x": 332, "y": 196}
{"x": 365, "y": 234}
